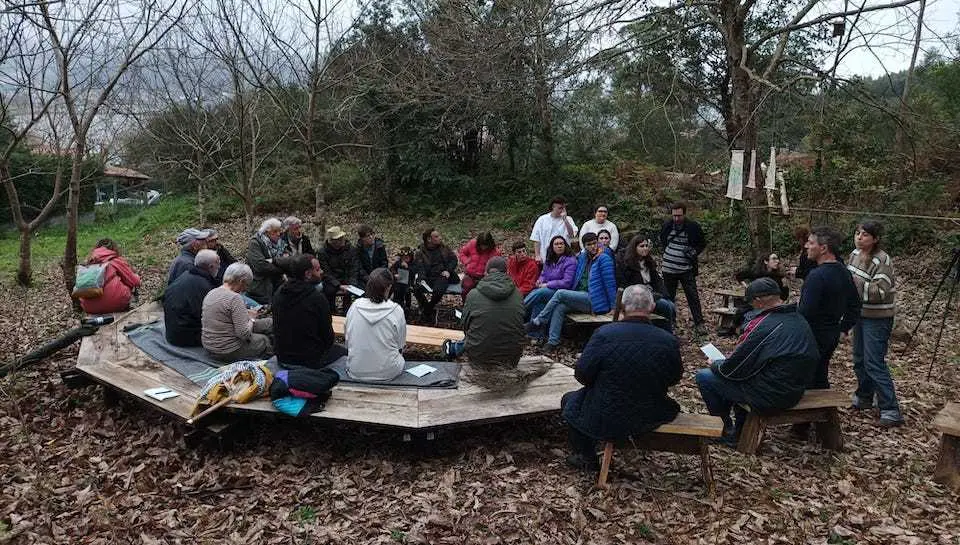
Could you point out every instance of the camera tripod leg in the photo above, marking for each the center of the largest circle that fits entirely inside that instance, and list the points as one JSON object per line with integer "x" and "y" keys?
{"x": 943, "y": 320}
{"x": 946, "y": 273}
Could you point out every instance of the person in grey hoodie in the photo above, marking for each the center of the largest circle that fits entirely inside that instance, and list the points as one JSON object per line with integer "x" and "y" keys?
{"x": 376, "y": 332}
{"x": 493, "y": 319}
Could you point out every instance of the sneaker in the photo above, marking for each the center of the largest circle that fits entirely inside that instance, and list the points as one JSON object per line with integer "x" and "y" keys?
{"x": 578, "y": 461}
{"x": 891, "y": 419}
{"x": 531, "y": 327}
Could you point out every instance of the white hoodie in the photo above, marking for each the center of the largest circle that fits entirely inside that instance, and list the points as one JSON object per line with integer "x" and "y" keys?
{"x": 376, "y": 334}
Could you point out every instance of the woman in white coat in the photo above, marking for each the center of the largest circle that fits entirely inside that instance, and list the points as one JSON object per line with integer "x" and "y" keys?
{"x": 376, "y": 332}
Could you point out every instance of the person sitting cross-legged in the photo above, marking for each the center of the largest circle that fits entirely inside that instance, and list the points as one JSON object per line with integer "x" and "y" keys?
{"x": 626, "y": 369}
{"x": 775, "y": 359}
{"x": 302, "y": 323}
{"x": 338, "y": 259}
{"x": 371, "y": 253}
{"x": 435, "y": 264}
{"x": 474, "y": 257}
{"x": 230, "y": 331}
{"x": 376, "y": 331}
{"x": 493, "y": 319}
{"x": 594, "y": 290}
{"x": 183, "y": 300}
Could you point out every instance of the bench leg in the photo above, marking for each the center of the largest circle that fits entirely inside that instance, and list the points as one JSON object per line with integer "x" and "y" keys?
{"x": 752, "y": 434}
{"x": 605, "y": 465}
{"x": 829, "y": 432}
{"x": 705, "y": 467}
{"x": 947, "y": 471}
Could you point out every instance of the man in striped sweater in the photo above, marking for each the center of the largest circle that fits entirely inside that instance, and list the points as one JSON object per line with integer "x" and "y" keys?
{"x": 682, "y": 241}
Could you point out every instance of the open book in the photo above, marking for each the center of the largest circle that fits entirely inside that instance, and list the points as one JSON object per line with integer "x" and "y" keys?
{"x": 355, "y": 291}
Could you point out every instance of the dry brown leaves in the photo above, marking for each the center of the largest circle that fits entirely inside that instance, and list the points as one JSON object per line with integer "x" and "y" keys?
{"x": 76, "y": 471}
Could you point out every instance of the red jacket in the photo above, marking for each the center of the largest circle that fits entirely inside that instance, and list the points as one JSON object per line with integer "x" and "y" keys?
{"x": 524, "y": 273}
{"x": 474, "y": 262}
{"x": 117, "y": 286}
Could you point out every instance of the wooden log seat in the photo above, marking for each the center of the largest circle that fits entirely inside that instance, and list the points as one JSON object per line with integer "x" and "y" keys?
{"x": 816, "y": 406}
{"x": 416, "y": 334}
{"x": 686, "y": 434}
{"x": 947, "y": 471}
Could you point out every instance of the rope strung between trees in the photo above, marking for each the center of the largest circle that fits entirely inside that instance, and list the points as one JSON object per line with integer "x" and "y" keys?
{"x": 954, "y": 219}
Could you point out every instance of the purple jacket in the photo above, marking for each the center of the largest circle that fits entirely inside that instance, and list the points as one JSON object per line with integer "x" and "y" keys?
{"x": 559, "y": 276}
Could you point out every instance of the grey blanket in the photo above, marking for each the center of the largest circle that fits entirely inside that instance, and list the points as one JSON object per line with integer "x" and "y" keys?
{"x": 197, "y": 365}
{"x": 447, "y": 375}
{"x": 192, "y": 362}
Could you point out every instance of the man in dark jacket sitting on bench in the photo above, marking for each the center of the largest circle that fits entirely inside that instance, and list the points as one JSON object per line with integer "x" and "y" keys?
{"x": 626, "y": 368}
{"x": 774, "y": 360}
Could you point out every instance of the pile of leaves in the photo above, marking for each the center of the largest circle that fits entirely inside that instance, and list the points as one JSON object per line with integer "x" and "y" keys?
{"x": 77, "y": 470}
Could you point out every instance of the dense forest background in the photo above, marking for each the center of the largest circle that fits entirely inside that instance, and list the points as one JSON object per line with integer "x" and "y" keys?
{"x": 446, "y": 107}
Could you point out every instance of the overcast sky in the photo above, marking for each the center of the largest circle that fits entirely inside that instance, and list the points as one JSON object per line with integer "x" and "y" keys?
{"x": 891, "y": 35}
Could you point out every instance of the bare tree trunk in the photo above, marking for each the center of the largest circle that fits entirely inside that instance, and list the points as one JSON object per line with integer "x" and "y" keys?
{"x": 905, "y": 97}
{"x": 69, "y": 264}
{"x": 24, "y": 268}
{"x": 200, "y": 202}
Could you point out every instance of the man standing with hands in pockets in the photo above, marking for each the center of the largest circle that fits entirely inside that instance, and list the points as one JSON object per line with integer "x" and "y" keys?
{"x": 553, "y": 223}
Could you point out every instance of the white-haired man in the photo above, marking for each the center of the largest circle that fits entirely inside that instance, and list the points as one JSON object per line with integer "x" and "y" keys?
{"x": 626, "y": 369}
{"x": 230, "y": 331}
{"x": 296, "y": 241}
{"x": 265, "y": 248}
{"x": 183, "y": 300}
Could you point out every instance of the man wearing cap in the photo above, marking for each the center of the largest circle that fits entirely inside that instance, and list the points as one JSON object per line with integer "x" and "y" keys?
{"x": 775, "y": 359}
{"x": 190, "y": 241}
{"x": 338, "y": 259}
{"x": 601, "y": 223}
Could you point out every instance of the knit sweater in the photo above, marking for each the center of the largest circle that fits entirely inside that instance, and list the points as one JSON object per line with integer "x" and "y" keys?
{"x": 876, "y": 284}
{"x": 226, "y": 322}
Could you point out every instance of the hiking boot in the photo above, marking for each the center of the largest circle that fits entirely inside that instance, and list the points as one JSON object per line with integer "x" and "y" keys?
{"x": 891, "y": 422}
{"x": 549, "y": 349}
{"x": 531, "y": 327}
{"x": 579, "y": 461}
{"x": 700, "y": 330}
{"x": 858, "y": 404}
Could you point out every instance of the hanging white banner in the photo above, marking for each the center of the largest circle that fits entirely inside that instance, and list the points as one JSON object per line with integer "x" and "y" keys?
{"x": 770, "y": 180}
{"x": 735, "y": 180}
{"x": 752, "y": 177}
{"x": 784, "y": 205}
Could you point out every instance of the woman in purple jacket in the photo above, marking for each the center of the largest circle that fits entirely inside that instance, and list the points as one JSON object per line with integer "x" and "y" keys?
{"x": 559, "y": 268}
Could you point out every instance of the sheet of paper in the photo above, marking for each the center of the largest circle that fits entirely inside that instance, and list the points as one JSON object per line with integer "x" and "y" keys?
{"x": 712, "y": 352}
{"x": 424, "y": 285}
{"x": 355, "y": 291}
{"x": 458, "y": 314}
{"x": 421, "y": 370}
{"x": 403, "y": 276}
{"x": 160, "y": 393}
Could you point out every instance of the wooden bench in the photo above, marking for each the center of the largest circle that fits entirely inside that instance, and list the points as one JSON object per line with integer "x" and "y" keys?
{"x": 947, "y": 471}
{"x": 727, "y": 311}
{"x": 730, "y": 298}
{"x": 817, "y": 406}
{"x": 687, "y": 434}
{"x": 416, "y": 334}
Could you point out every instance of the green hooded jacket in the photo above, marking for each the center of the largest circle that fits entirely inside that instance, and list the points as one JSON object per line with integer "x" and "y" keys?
{"x": 493, "y": 322}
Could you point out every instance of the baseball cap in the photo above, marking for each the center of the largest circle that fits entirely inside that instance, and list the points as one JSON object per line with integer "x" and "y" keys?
{"x": 760, "y": 287}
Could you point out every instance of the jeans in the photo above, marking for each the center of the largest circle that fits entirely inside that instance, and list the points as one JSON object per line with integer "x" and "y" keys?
{"x": 827, "y": 341}
{"x": 534, "y": 302}
{"x": 666, "y": 308}
{"x": 871, "y": 337}
{"x": 689, "y": 282}
{"x": 720, "y": 395}
{"x": 556, "y": 310}
{"x": 439, "y": 286}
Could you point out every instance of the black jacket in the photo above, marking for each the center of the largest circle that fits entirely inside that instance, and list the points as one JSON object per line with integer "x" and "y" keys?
{"x": 626, "y": 368}
{"x": 430, "y": 262}
{"x": 183, "y": 306}
{"x": 339, "y": 266}
{"x": 695, "y": 239}
{"x": 752, "y": 272}
{"x": 366, "y": 265}
{"x": 775, "y": 360}
{"x": 629, "y": 274}
{"x": 829, "y": 299}
{"x": 302, "y": 325}
{"x": 305, "y": 246}
{"x": 226, "y": 259}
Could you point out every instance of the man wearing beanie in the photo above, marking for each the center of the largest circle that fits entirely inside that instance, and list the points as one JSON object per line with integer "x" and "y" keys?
{"x": 774, "y": 360}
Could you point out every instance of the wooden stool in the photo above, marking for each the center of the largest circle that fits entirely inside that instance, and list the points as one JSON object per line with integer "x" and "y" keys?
{"x": 686, "y": 434}
{"x": 947, "y": 471}
{"x": 817, "y": 406}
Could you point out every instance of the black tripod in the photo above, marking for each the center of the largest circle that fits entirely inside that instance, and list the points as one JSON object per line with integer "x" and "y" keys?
{"x": 953, "y": 272}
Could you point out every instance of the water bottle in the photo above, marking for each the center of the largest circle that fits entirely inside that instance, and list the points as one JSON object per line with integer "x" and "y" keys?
{"x": 97, "y": 321}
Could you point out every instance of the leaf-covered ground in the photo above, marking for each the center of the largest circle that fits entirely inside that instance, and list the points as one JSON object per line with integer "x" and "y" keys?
{"x": 76, "y": 471}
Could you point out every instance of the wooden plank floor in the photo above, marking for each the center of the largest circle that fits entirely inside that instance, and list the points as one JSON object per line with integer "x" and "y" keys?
{"x": 111, "y": 359}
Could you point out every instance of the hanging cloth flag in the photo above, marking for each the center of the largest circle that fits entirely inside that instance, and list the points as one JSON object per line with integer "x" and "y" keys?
{"x": 784, "y": 205}
{"x": 770, "y": 180}
{"x": 735, "y": 181}
{"x": 752, "y": 177}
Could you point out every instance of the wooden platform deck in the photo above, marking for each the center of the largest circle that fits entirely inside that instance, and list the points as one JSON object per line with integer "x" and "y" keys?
{"x": 110, "y": 359}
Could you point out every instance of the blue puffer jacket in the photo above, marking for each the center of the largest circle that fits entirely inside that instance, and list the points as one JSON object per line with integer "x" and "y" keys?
{"x": 603, "y": 282}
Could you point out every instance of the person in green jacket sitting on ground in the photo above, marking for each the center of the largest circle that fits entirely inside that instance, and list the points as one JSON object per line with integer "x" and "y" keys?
{"x": 492, "y": 320}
